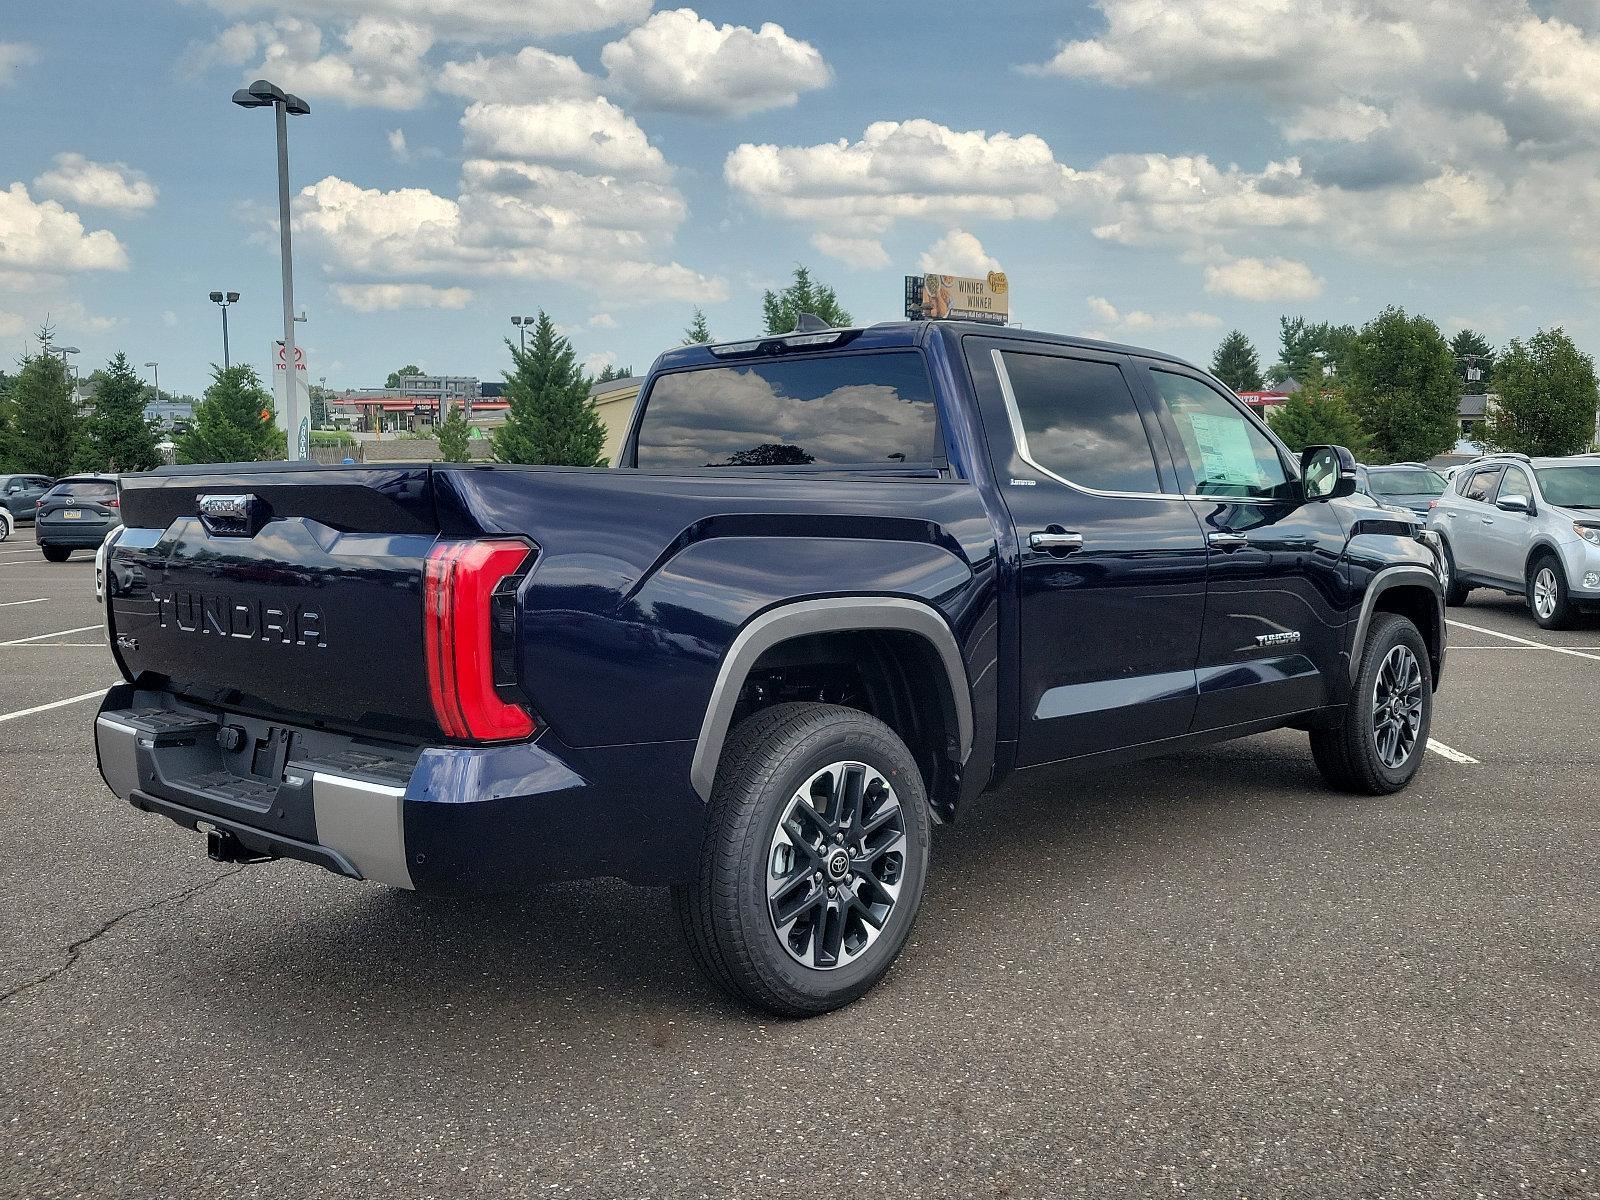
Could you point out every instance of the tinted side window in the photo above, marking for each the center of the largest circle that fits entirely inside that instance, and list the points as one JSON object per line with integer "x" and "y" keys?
{"x": 1227, "y": 453}
{"x": 1482, "y": 484}
{"x": 1079, "y": 422}
{"x": 844, "y": 410}
{"x": 1516, "y": 483}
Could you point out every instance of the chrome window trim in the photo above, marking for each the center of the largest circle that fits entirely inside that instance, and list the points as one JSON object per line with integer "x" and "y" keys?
{"x": 1019, "y": 438}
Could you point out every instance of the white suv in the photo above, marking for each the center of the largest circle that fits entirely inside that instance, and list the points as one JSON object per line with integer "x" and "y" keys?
{"x": 1530, "y": 527}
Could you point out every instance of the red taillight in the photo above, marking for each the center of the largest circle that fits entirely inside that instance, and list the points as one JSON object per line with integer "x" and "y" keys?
{"x": 113, "y": 503}
{"x": 1433, "y": 504}
{"x": 458, "y": 616}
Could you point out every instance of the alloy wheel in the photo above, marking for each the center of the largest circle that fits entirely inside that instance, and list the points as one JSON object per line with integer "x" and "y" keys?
{"x": 1545, "y": 592}
{"x": 835, "y": 865}
{"x": 1397, "y": 698}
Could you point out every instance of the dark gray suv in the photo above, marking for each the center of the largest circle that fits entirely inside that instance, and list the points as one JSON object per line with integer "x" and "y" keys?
{"x": 19, "y": 496}
{"x": 77, "y": 514}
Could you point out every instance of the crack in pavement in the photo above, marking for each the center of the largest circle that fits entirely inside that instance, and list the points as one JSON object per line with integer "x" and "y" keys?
{"x": 75, "y": 949}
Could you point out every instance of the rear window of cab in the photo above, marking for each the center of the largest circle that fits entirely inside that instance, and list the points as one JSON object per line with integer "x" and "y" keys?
{"x": 873, "y": 408}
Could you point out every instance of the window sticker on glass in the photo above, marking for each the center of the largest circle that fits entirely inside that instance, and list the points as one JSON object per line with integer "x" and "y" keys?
{"x": 1226, "y": 455}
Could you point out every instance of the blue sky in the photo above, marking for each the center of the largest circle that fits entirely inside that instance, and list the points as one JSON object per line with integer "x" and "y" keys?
{"x": 1150, "y": 171}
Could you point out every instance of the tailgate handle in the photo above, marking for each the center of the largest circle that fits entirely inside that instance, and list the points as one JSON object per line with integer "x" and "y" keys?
{"x": 231, "y": 514}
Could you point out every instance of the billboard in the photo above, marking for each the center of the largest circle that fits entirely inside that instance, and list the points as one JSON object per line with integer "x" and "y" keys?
{"x": 959, "y": 298}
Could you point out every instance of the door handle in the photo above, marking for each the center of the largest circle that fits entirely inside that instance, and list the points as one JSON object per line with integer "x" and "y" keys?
{"x": 1055, "y": 542}
{"x": 1226, "y": 541}
{"x": 1488, "y": 520}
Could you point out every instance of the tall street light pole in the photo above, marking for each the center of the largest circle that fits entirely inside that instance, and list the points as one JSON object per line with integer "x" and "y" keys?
{"x": 155, "y": 379}
{"x": 522, "y": 324}
{"x": 260, "y": 94}
{"x": 223, "y": 300}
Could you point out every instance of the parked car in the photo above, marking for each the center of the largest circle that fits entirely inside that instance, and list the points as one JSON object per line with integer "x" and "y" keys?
{"x": 76, "y": 514}
{"x": 842, "y": 583}
{"x": 1412, "y": 486}
{"x": 19, "y": 496}
{"x": 1527, "y": 527}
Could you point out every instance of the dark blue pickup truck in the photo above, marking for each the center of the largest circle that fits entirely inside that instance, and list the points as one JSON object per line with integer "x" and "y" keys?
{"x": 842, "y": 583}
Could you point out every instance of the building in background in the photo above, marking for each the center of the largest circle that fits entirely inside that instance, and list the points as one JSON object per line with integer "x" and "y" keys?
{"x": 1263, "y": 402}
{"x": 615, "y": 400}
{"x": 169, "y": 414}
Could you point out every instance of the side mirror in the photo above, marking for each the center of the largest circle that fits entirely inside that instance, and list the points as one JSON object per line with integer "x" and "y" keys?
{"x": 1327, "y": 472}
{"x": 1516, "y": 504}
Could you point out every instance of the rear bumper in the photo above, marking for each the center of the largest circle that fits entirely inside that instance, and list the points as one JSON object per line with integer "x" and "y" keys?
{"x": 436, "y": 819}
{"x": 85, "y": 535}
{"x": 351, "y": 823}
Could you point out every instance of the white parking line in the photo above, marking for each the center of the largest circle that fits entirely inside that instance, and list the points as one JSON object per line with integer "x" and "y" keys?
{"x": 39, "y": 637}
{"x": 39, "y": 708}
{"x": 1444, "y": 751}
{"x": 14, "y": 603}
{"x": 1522, "y": 641}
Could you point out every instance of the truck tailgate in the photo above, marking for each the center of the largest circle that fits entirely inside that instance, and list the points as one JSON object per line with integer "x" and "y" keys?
{"x": 293, "y": 594}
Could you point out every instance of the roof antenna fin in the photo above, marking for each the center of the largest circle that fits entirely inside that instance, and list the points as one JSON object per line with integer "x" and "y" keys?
{"x": 809, "y": 323}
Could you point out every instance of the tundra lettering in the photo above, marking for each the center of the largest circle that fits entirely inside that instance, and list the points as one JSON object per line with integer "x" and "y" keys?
{"x": 195, "y": 612}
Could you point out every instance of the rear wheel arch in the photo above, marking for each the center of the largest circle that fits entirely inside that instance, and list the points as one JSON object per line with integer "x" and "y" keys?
{"x": 904, "y": 667}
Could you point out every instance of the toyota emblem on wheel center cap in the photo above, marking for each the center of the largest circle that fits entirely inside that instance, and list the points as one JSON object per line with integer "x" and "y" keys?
{"x": 838, "y": 864}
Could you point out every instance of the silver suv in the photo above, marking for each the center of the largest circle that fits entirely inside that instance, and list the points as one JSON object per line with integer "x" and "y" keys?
{"x": 1529, "y": 527}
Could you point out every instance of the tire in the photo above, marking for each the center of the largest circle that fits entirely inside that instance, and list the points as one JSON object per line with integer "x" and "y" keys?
{"x": 730, "y": 912}
{"x": 6, "y": 526}
{"x": 1546, "y": 593}
{"x": 56, "y": 553}
{"x": 1455, "y": 592}
{"x": 1352, "y": 754}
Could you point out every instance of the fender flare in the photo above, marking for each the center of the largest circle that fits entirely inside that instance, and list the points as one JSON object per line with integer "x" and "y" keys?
{"x": 845, "y": 614}
{"x": 1400, "y": 575}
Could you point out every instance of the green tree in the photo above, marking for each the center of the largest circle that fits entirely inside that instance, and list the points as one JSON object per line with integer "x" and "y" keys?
{"x": 549, "y": 417}
{"x": 1546, "y": 397}
{"x": 608, "y": 373}
{"x": 1400, "y": 378}
{"x": 1472, "y": 350}
{"x": 233, "y": 421}
{"x": 46, "y": 428}
{"x": 1306, "y": 347}
{"x": 319, "y": 405}
{"x": 8, "y": 423}
{"x": 454, "y": 434}
{"x": 781, "y": 310}
{"x": 1317, "y": 415}
{"x": 1236, "y": 364}
{"x": 699, "y": 332}
{"x": 394, "y": 376}
{"x": 120, "y": 437}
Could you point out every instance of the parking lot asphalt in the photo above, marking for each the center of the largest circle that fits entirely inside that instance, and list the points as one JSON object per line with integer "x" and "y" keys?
{"x": 1203, "y": 975}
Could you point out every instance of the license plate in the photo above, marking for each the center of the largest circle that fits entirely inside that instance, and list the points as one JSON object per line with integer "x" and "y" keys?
{"x": 73, "y": 514}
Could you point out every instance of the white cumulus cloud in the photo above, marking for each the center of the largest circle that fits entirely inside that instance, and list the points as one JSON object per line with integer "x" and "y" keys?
{"x": 856, "y": 251}
{"x": 593, "y": 134}
{"x": 1140, "y": 321}
{"x": 958, "y": 253}
{"x": 1263, "y": 279}
{"x": 529, "y": 75}
{"x": 43, "y": 236}
{"x": 379, "y": 63}
{"x": 78, "y": 180}
{"x": 898, "y": 169}
{"x": 680, "y": 62}
{"x": 388, "y": 297}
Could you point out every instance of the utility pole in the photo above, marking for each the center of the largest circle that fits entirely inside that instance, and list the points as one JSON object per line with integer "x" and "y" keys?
{"x": 261, "y": 94}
